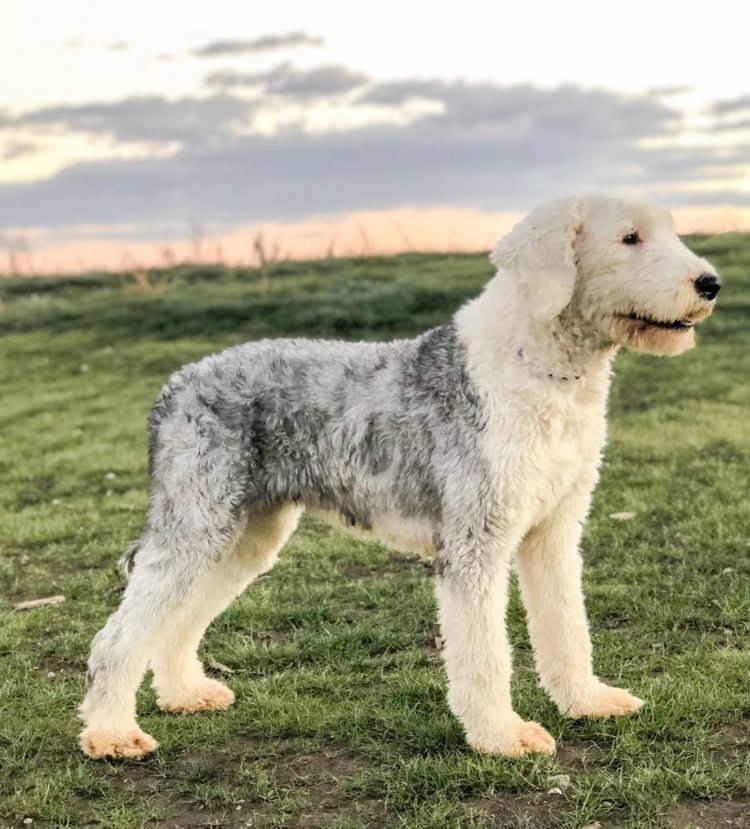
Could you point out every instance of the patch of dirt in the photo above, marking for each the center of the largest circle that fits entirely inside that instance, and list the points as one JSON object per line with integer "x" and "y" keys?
{"x": 731, "y": 743}
{"x": 316, "y": 778}
{"x": 321, "y": 765}
{"x": 144, "y": 781}
{"x": 709, "y": 814}
{"x": 271, "y": 635}
{"x": 306, "y": 779}
{"x": 735, "y": 735}
{"x": 539, "y": 811}
{"x": 580, "y": 756}
{"x": 61, "y": 666}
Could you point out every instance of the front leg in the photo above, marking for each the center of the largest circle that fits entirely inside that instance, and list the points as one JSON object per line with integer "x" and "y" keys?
{"x": 549, "y": 574}
{"x": 472, "y": 598}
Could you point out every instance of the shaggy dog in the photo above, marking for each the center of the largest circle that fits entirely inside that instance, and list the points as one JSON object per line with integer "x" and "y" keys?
{"x": 477, "y": 444}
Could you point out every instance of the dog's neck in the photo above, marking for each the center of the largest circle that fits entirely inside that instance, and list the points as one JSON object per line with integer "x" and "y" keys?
{"x": 505, "y": 338}
{"x": 562, "y": 350}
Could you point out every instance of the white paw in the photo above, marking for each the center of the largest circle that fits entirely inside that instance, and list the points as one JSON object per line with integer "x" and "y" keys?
{"x": 603, "y": 701}
{"x": 519, "y": 738}
{"x": 130, "y": 743}
{"x": 209, "y": 695}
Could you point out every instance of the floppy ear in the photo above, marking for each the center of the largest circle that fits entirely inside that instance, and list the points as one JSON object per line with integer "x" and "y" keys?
{"x": 539, "y": 252}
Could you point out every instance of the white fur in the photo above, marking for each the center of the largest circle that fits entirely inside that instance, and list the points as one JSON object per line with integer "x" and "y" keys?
{"x": 541, "y": 339}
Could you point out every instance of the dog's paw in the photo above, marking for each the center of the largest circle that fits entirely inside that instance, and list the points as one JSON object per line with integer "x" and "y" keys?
{"x": 517, "y": 740}
{"x": 131, "y": 743}
{"x": 604, "y": 701}
{"x": 209, "y": 695}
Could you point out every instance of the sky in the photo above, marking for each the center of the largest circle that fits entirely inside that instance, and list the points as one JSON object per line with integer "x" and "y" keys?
{"x": 144, "y": 133}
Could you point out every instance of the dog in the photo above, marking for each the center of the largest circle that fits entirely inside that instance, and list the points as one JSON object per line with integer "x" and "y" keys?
{"x": 476, "y": 444}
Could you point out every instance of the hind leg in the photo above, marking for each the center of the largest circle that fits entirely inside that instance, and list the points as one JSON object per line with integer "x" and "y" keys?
{"x": 159, "y": 583}
{"x": 179, "y": 679}
{"x": 195, "y": 519}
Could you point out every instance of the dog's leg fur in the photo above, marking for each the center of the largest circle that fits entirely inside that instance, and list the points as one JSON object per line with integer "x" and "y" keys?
{"x": 549, "y": 572}
{"x": 160, "y": 579}
{"x": 179, "y": 680}
{"x": 478, "y": 661}
{"x": 195, "y": 519}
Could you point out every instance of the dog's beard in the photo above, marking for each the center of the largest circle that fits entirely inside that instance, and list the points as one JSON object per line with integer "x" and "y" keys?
{"x": 651, "y": 339}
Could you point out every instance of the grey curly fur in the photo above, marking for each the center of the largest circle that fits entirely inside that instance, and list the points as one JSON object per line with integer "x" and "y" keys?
{"x": 351, "y": 428}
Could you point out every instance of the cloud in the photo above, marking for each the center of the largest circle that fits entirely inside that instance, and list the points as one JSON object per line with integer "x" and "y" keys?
{"x": 19, "y": 149}
{"x": 731, "y": 106}
{"x": 119, "y": 46}
{"x": 267, "y": 43}
{"x": 148, "y": 118}
{"x": 487, "y": 146}
{"x": 284, "y": 79}
{"x": 516, "y": 108}
{"x": 669, "y": 91}
{"x": 731, "y": 126}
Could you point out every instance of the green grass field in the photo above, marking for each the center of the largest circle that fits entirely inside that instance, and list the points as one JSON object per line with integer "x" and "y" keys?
{"x": 341, "y": 719}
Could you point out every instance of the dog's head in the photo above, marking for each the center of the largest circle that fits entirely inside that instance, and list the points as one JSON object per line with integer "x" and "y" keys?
{"x": 618, "y": 267}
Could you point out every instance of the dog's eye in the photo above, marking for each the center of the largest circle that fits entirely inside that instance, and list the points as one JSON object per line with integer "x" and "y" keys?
{"x": 631, "y": 239}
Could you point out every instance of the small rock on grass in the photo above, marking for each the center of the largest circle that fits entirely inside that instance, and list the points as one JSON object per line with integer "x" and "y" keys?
{"x": 561, "y": 781}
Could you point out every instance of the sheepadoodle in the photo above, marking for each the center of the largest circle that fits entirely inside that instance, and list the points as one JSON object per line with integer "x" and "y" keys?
{"x": 476, "y": 444}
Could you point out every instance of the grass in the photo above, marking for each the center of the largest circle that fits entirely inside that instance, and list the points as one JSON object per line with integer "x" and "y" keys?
{"x": 341, "y": 719}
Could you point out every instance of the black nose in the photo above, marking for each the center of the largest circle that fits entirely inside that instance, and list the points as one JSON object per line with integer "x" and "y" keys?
{"x": 707, "y": 285}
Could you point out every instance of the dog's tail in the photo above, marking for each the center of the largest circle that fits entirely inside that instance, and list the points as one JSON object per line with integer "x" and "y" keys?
{"x": 127, "y": 562}
{"x": 163, "y": 406}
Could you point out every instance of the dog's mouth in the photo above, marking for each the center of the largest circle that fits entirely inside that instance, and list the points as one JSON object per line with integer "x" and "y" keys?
{"x": 643, "y": 321}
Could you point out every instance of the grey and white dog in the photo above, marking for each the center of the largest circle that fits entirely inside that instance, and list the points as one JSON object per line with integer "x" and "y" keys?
{"x": 476, "y": 444}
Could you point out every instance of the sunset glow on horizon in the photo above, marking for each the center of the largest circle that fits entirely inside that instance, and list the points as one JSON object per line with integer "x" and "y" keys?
{"x": 363, "y": 233}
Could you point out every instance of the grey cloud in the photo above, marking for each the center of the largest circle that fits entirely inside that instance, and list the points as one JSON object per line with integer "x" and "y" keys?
{"x": 731, "y": 126}
{"x": 732, "y": 105}
{"x": 19, "y": 149}
{"x": 492, "y": 147}
{"x": 143, "y": 118}
{"x": 668, "y": 91}
{"x": 267, "y": 43}
{"x": 715, "y": 197}
{"x": 395, "y": 93}
{"x": 285, "y": 79}
{"x": 516, "y": 107}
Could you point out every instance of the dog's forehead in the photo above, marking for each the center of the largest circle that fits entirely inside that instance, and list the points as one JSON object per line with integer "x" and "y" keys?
{"x": 648, "y": 216}
{"x": 618, "y": 215}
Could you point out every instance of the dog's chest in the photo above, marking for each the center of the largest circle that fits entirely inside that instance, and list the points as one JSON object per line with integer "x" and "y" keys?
{"x": 551, "y": 469}
{"x": 552, "y": 448}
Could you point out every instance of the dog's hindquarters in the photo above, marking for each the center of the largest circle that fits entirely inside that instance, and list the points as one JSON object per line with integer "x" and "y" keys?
{"x": 201, "y": 546}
